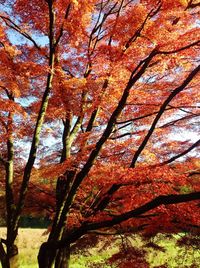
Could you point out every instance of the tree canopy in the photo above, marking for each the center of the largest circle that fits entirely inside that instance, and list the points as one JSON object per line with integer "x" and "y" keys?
{"x": 98, "y": 101}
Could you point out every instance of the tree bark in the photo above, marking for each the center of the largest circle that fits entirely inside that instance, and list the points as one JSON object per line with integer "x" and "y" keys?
{"x": 3, "y": 259}
{"x": 49, "y": 257}
{"x": 9, "y": 259}
{"x": 14, "y": 261}
{"x": 63, "y": 258}
{"x": 46, "y": 256}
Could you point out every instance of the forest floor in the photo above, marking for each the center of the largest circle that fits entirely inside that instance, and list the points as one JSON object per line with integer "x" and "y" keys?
{"x": 29, "y": 241}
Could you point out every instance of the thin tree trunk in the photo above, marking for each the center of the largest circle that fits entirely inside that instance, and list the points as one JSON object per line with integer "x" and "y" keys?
{"x": 9, "y": 259}
{"x": 4, "y": 261}
{"x": 11, "y": 249}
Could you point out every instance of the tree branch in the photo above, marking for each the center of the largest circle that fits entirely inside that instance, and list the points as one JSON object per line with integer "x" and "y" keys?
{"x": 172, "y": 123}
{"x": 15, "y": 27}
{"x": 40, "y": 119}
{"x": 180, "y": 49}
{"x": 62, "y": 27}
{"x": 196, "y": 144}
{"x": 88, "y": 227}
{"x": 161, "y": 111}
{"x": 136, "y": 74}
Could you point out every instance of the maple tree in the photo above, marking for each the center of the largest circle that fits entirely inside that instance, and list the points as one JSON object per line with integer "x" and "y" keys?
{"x": 92, "y": 95}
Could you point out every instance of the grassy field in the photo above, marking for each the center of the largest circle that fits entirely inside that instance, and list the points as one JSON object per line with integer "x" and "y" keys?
{"x": 29, "y": 241}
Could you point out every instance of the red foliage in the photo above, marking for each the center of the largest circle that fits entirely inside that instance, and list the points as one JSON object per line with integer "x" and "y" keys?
{"x": 129, "y": 257}
{"x": 97, "y": 93}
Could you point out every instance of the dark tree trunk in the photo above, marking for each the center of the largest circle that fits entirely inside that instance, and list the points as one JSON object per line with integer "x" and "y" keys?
{"x": 14, "y": 262}
{"x": 48, "y": 257}
{"x": 3, "y": 257}
{"x": 9, "y": 259}
{"x": 12, "y": 256}
{"x": 63, "y": 258}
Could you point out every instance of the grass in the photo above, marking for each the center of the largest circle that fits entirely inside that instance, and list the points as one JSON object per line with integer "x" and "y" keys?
{"x": 174, "y": 256}
{"x": 29, "y": 241}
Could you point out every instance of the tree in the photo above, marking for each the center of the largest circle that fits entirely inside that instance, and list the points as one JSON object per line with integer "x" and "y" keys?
{"x": 110, "y": 82}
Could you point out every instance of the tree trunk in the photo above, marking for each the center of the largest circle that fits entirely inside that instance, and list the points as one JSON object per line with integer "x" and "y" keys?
{"x": 14, "y": 261}
{"x": 49, "y": 257}
{"x": 63, "y": 258}
{"x": 46, "y": 256}
{"x": 4, "y": 261}
{"x": 12, "y": 256}
{"x": 9, "y": 259}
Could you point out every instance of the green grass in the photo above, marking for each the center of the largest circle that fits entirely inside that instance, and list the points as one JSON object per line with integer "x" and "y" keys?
{"x": 174, "y": 256}
{"x": 29, "y": 241}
